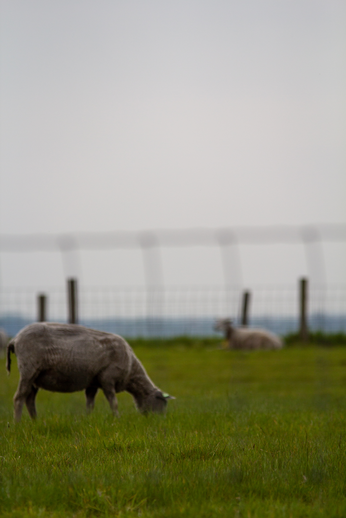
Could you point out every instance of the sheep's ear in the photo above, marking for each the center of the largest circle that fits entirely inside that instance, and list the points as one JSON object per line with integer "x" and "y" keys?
{"x": 167, "y": 396}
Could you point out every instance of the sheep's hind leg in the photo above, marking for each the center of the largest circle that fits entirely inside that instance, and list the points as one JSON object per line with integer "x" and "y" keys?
{"x": 30, "y": 402}
{"x": 90, "y": 394}
{"x": 20, "y": 397}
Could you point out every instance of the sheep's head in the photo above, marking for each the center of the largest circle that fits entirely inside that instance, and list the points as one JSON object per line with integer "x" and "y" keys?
{"x": 156, "y": 402}
{"x": 223, "y": 324}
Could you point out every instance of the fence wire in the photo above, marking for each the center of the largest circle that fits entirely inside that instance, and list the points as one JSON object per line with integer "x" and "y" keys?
{"x": 176, "y": 311}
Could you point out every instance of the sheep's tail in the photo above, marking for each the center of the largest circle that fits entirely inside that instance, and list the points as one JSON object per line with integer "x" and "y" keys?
{"x": 10, "y": 349}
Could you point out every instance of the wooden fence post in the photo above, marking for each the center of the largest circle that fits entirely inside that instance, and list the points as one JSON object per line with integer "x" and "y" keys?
{"x": 303, "y": 310}
{"x": 72, "y": 301}
{"x": 41, "y": 308}
{"x": 245, "y": 308}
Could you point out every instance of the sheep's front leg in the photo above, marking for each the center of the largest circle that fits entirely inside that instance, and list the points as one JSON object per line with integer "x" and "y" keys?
{"x": 90, "y": 394}
{"x": 109, "y": 392}
{"x": 30, "y": 402}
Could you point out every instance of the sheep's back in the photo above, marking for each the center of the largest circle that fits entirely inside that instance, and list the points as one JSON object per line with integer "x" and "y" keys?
{"x": 254, "y": 339}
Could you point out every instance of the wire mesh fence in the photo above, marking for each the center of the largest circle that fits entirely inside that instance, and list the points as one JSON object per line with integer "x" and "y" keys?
{"x": 176, "y": 311}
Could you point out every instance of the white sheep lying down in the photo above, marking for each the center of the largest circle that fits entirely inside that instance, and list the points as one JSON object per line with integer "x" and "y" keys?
{"x": 69, "y": 358}
{"x": 246, "y": 338}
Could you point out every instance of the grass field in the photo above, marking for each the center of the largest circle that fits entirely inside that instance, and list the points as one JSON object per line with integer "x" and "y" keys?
{"x": 259, "y": 434}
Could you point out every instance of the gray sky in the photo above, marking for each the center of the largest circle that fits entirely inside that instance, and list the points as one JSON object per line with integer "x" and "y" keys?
{"x": 131, "y": 115}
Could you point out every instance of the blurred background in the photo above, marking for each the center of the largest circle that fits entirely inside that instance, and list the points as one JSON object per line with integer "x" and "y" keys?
{"x": 170, "y": 157}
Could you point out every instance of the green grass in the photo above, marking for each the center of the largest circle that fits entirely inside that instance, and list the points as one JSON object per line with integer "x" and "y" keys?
{"x": 319, "y": 337}
{"x": 259, "y": 434}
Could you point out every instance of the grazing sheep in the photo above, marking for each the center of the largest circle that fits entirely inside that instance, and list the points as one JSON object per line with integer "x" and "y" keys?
{"x": 247, "y": 339}
{"x": 69, "y": 358}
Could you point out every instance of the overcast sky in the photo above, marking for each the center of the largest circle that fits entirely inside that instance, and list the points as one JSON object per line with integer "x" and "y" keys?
{"x": 132, "y": 115}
